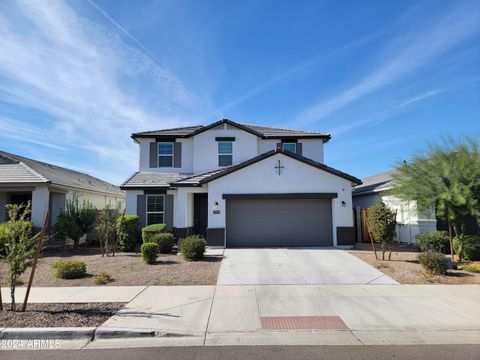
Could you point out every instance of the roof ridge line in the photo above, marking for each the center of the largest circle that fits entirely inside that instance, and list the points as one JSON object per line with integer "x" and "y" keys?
{"x": 33, "y": 171}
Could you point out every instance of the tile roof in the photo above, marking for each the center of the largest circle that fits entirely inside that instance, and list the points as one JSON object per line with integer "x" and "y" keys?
{"x": 374, "y": 183}
{"x": 151, "y": 179}
{"x": 259, "y": 130}
{"x": 19, "y": 169}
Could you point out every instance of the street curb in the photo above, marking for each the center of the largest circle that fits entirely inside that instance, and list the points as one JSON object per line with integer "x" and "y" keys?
{"x": 61, "y": 333}
{"x": 118, "y": 333}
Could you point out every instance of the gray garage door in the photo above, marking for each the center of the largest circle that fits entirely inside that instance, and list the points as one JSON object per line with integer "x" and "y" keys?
{"x": 279, "y": 222}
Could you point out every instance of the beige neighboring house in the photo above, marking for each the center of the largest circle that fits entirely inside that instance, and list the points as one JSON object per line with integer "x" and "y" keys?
{"x": 48, "y": 187}
{"x": 410, "y": 220}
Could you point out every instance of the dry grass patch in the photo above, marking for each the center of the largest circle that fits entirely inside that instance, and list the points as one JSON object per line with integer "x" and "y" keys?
{"x": 405, "y": 268}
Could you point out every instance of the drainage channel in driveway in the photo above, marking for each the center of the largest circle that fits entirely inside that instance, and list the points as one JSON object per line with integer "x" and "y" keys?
{"x": 296, "y": 266}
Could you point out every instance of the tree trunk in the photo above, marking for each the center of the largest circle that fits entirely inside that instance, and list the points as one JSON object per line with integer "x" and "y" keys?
{"x": 13, "y": 283}
{"x": 76, "y": 243}
{"x": 459, "y": 236}
{"x": 452, "y": 255}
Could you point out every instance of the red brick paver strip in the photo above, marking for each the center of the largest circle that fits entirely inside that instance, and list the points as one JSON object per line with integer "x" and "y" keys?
{"x": 302, "y": 323}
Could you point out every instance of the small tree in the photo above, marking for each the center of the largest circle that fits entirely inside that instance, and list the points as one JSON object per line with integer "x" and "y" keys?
{"x": 20, "y": 244}
{"x": 381, "y": 224}
{"x": 107, "y": 226}
{"x": 77, "y": 220}
{"x": 446, "y": 176}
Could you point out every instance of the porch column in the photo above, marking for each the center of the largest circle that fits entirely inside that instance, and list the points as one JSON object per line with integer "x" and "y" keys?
{"x": 40, "y": 204}
{"x": 184, "y": 209}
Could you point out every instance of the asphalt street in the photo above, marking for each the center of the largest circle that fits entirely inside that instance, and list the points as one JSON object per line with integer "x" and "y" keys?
{"x": 424, "y": 352}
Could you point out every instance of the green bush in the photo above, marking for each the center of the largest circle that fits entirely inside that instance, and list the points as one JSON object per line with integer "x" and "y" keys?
{"x": 149, "y": 252}
{"x": 127, "y": 237}
{"x": 193, "y": 248}
{"x": 433, "y": 262}
{"x": 165, "y": 242}
{"x": 3, "y": 239}
{"x": 102, "y": 278}
{"x": 436, "y": 241}
{"x": 150, "y": 230}
{"x": 471, "y": 247}
{"x": 70, "y": 269}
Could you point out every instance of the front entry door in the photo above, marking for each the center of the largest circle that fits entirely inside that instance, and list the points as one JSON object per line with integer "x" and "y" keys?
{"x": 200, "y": 214}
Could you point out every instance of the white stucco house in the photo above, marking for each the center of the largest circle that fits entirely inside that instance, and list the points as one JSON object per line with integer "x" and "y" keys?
{"x": 241, "y": 185}
{"x": 48, "y": 187}
{"x": 410, "y": 220}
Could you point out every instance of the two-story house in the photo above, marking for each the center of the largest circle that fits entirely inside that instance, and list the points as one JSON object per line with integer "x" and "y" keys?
{"x": 241, "y": 185}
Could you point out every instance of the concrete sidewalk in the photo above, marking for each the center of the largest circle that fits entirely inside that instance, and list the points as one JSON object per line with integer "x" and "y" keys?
{"x": 75, "y": 294}
{"x": 281, "y": 314}
{"x": 361, "y": 314}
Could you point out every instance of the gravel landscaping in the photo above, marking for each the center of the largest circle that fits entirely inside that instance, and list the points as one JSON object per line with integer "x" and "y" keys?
{"x": 59, "y": 315}
{"x": 126, "y": 269}
{"x": 405, "y": 268}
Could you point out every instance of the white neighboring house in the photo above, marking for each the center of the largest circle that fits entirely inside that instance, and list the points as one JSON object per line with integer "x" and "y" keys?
{"x": 241, "y": 185}
{"x": 48, "y": 187}
{"x": 410, "y": 221}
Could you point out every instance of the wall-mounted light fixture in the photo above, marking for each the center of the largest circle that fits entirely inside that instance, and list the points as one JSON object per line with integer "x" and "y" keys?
{"x": 344, "y": 203}
{"x": 215, "y": 206}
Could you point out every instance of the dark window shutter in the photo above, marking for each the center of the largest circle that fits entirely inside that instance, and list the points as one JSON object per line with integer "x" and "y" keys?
{"x": 142, "y": 210}
{"x": 153, "y": 154}
{"x": 168, "y": 217}
{"x": 279, "y": 146}
{"x": 299, "y": 148}
{"x": 177, "y": 155}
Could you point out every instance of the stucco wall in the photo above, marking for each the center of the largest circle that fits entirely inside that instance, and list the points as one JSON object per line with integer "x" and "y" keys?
{"x": 40, "y": 204}
{"x": 187, "y": 158}
{"x": 296, "y": 177}
{"x": 131, "y": 201}
{"x": 205, "y": 148}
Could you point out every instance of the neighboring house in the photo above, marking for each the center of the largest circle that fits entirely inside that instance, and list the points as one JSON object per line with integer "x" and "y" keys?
{"x": 241, "y": 185}
{"x": 410, "y": 221}
{"x": 48, "y": 187}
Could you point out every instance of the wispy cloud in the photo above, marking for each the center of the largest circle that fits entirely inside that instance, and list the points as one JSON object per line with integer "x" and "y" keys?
{"x": 383, "y": 114}
{"x": 92, "y": 86}
{"x": 403, "y": 57}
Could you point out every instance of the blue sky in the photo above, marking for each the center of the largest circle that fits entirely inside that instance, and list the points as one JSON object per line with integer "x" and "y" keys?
{"x": 383, "y": 77}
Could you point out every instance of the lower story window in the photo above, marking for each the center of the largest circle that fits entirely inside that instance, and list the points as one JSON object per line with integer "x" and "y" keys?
{"x": 155, "y": 208}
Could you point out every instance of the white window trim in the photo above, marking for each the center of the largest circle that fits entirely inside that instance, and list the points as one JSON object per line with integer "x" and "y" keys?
{"x": 158, "y": 153}
{"x": 218, "y": 152}
{"x": 154, "y": 212}
{"x": 283, "y": 146}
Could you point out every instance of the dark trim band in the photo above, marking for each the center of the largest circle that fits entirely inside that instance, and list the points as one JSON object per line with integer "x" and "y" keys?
{"x": 282, "y": 196}
{"x": 218, "y": 138}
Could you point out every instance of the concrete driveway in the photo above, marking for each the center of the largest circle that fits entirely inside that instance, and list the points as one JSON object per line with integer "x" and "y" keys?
{"x": 296, "y": 266}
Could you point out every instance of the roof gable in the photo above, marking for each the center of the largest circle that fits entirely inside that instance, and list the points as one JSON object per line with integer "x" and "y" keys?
{"x": 264, "y": 132}
{"x": 205, "y": 178}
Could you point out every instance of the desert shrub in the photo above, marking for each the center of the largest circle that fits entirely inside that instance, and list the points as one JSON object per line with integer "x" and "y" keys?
{"x": 474, "y": 268}
{"x": 471, "y": 247}
{"x": 193, "y": 248}
{"x": 436, "y": 241}
{"x": 150, "y": 230}
{"x": 433, "y": 262}
{"x": 127, "y": 233}
{"x": 149, "y": 252}
{"x": 102, "y": 278}
{"x": 107, "y": 226}
{"x": 18, "y": 244}
{"x": 165, "y": 242}
{"x": 381, "y": 223}
{"x": 70, "y": 269}
{"x": 77, "y": 220}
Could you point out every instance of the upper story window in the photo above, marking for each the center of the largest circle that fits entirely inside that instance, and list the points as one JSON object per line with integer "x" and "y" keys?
{"x": 155, "y": 206}
{"x": 165, "y": 154}
{"x": 225, "y": 153}
{"x": 292, "y": 147}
